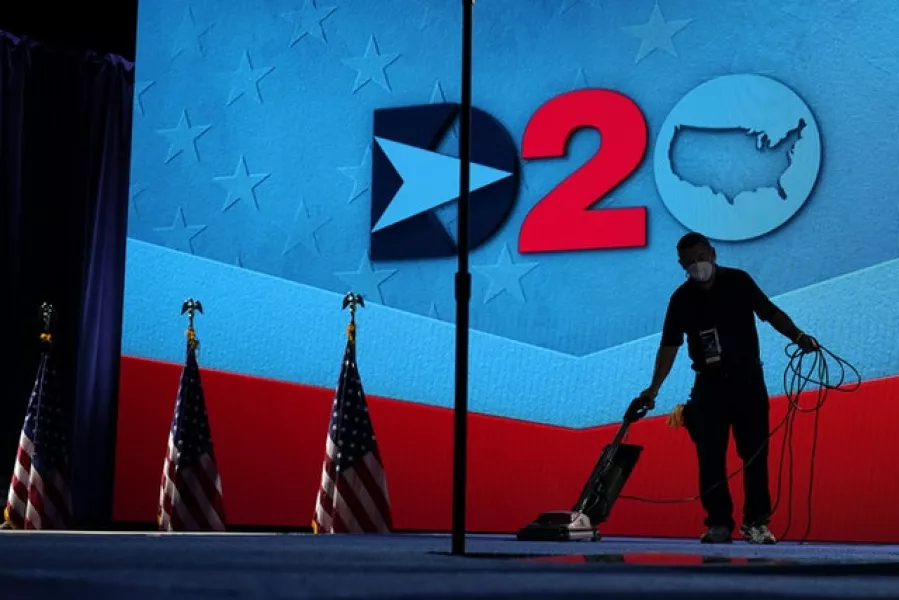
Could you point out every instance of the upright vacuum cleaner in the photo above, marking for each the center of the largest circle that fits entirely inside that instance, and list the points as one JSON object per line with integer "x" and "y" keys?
{"x": 609, "y": 475}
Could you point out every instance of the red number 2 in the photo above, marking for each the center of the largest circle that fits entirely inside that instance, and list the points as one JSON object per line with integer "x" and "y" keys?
{"x": 561, "y": 221}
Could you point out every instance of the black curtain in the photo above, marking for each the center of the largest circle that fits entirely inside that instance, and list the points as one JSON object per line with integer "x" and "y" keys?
{"x": 65, "y": 145}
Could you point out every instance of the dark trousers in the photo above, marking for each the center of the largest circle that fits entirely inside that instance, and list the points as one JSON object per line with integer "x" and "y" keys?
{"x": 718, "y": 404}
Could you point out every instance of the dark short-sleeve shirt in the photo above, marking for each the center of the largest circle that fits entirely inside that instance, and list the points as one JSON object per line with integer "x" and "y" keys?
{"x": 729, "y": 307}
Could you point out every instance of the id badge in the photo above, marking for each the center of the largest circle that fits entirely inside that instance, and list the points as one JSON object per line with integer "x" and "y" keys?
{"x": 711, "y": 346}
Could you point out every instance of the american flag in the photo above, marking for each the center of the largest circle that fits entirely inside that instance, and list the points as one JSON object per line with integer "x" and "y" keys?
{"x": 353, "y": 495}
{"x": 39, "y": 494}
{"x": 190, "y": 495}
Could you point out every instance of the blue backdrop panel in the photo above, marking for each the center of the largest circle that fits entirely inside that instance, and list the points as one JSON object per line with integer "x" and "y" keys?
{"x": 772, "y": 127}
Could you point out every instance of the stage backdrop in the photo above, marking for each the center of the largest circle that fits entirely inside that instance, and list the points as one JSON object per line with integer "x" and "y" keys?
{"x": 289, "y": 151}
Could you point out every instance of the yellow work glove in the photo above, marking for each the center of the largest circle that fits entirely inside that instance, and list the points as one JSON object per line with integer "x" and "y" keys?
{"x": 676, "y": 418}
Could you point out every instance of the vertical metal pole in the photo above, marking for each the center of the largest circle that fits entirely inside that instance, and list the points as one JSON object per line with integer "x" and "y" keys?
{"x": 463, "y": 294}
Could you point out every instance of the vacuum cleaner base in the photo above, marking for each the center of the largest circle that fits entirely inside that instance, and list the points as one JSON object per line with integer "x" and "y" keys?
{"x": 609, "y": 475}
{"x": 559, "y": 526}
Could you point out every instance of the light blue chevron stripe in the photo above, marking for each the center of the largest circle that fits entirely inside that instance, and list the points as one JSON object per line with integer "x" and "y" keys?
{"x": 267, "y": 327}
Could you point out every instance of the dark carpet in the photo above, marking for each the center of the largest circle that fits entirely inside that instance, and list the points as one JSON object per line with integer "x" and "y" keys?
{"x": 139, "y": 566}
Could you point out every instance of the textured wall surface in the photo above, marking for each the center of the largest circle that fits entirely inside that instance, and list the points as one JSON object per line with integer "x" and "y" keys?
{"x": 771, "y": 125}
{"x": 253, "y": 143}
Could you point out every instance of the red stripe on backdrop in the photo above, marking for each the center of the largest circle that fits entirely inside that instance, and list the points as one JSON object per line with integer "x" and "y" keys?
{"x": 270, "y": 436}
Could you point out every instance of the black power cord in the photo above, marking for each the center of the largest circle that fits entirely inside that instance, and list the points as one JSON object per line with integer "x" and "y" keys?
{"x": 796, "y": 379}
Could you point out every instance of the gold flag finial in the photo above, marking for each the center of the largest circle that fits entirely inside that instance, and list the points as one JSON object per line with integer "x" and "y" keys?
{"x": 191, "y": 307}
{"x": 352, "y": 300}
{"x": 47, "y": 315}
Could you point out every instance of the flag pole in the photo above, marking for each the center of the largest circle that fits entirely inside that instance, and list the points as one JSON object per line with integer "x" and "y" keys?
{"x": 463, "y": 294}
{"x": 12, "y": 518}
{"x": 190, "y": 473}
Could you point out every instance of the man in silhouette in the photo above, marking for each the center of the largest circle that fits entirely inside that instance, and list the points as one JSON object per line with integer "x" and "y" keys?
{"x": 716, "y": 309}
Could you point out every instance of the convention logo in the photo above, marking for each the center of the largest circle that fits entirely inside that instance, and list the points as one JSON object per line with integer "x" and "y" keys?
{"x": 411, "y": 180}
{"x": 757, "y": 106}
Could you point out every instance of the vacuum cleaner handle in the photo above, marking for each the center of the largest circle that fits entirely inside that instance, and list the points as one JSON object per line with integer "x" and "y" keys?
{"x": 637, "y": 410}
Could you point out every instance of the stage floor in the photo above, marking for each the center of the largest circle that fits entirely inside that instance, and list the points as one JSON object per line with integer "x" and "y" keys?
{"x": 138, "y": 566}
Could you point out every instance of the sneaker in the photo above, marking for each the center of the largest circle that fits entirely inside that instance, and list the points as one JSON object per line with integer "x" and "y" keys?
{"x": 757, "y": 534}
{"x": 717, "y": 535}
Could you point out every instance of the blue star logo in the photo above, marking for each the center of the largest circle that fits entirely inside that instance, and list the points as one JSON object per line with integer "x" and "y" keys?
{"x": 505, "y": 275}
{"x": 366, "y": 280}
{"x": 429, "y": 179}
{"x": 183, "y": 138}
{"x": 438, "y": 96}
{"x": 580, "y": 80}
{"x": 445, "y": 16}
{"x": 308, "y": 21}
{"x": 359, "y": 175}
{"x": 245, "y": 80}
{"x": 303, "y": 230}
{"x": 432, "y": 311}
{"x": 569, "y": 4}
{"x": 139, "y": 88}
{"x": 241, "y": 185}
{"x": 134, "y": 191}
{"x": 180, "y": 235}
{"x": 372, "y": 66}
{"x": 656, "y": 34}
{"x": 188, "y": 35}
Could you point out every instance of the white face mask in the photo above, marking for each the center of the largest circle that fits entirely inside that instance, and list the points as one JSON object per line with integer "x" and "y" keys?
{"x": 701, "y": 271}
